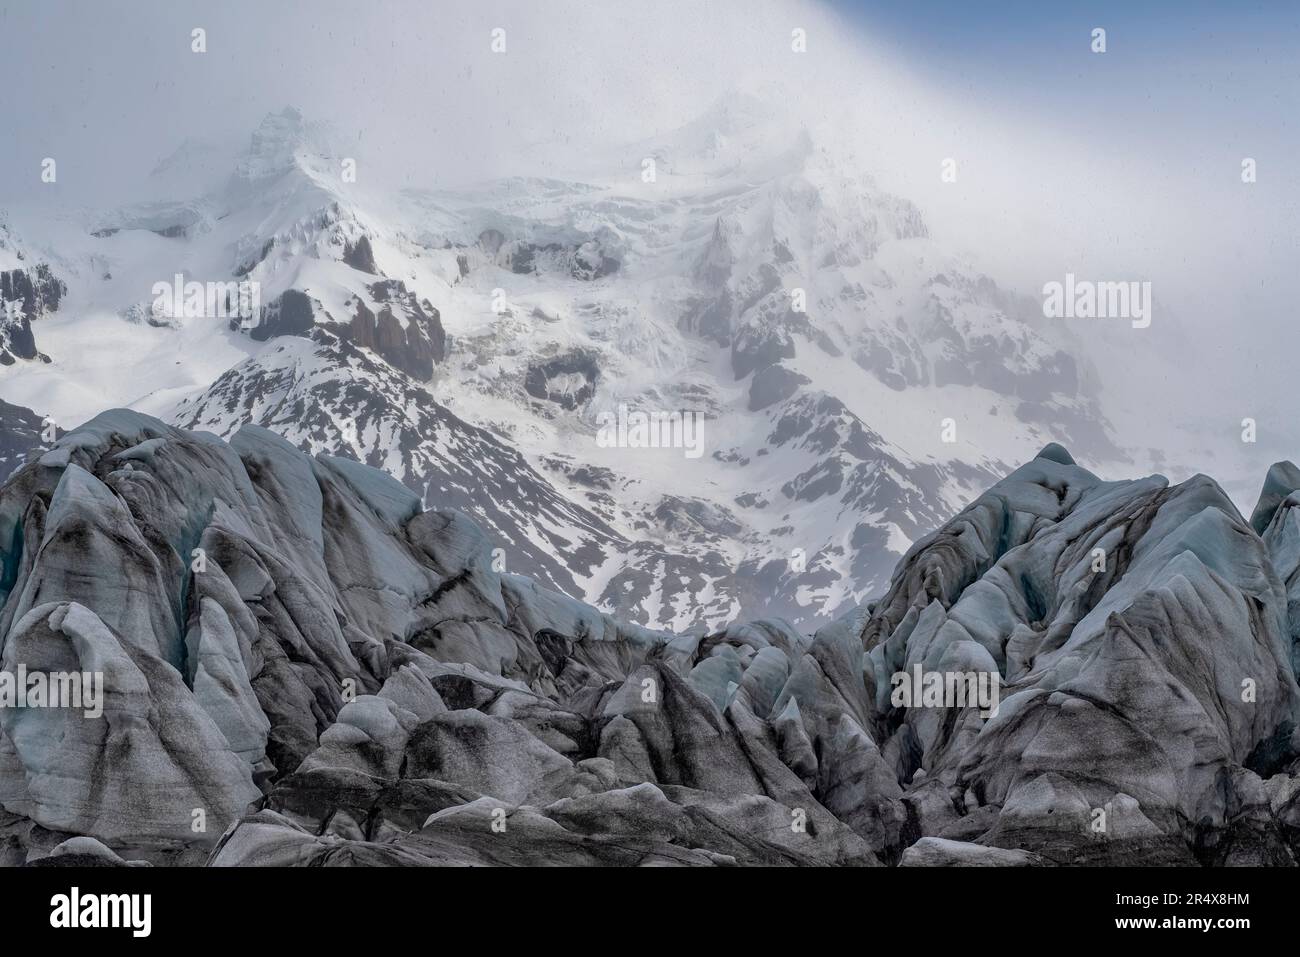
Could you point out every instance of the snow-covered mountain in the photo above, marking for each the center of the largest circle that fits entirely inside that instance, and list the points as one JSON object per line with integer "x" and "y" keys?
{"x": 28, "y": 290}
{"x": 854, "y": 384}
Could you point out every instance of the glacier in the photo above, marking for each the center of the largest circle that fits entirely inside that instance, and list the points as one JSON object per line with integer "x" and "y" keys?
{"x": 308, "y": 663}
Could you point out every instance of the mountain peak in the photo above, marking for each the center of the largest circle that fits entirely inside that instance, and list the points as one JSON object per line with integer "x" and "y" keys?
{"x": 282, "y": 141}
{"x": 738, "y": 109}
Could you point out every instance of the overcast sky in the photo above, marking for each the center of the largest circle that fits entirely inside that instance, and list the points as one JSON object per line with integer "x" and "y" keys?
{"x": 1116, "y": 153}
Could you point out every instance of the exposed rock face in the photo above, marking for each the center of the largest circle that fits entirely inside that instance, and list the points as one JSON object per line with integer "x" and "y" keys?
{"x": 16, "y": 340}
{"x": 588, "y": 260}
{"x": 25, "y": 295}
{"x": 568, "y": 380}
{"x": 292, "y": 313}
{"x": 39, "y": 290}
{"x": 298, "y": 654}
{"x": 360, "y": 256}
{"x": 773, "y": 384}
{"x": 20, "y": 432}
{"x": 406, "y": 331}
{"x": 586, "y": 256}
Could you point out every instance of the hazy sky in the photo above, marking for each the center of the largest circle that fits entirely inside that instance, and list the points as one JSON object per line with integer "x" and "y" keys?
{"x": 1122, "y": 165}
{"x": 1106, "y": 154}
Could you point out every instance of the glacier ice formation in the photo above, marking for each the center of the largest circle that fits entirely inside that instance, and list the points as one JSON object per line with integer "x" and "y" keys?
{"x": 304, "y": 665}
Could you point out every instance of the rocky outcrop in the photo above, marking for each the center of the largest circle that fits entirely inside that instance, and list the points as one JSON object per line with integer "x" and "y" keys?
{"x": 37, "y": 289}
{"x": 360, "y": 256}
{"x": 292, "y": 313}
{"x": 304, "y": 665}
{"x": 16, "y": 339}
{"x": 26, "y": 295}
{"x": 21, "y": 432}
{"x": 405, "y": 331}
{"x": 568, "y": 380}
{"x": 773, "y": 384}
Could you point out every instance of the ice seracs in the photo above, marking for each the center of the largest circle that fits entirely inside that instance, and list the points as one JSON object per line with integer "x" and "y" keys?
{"x": 349, "y": 677}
